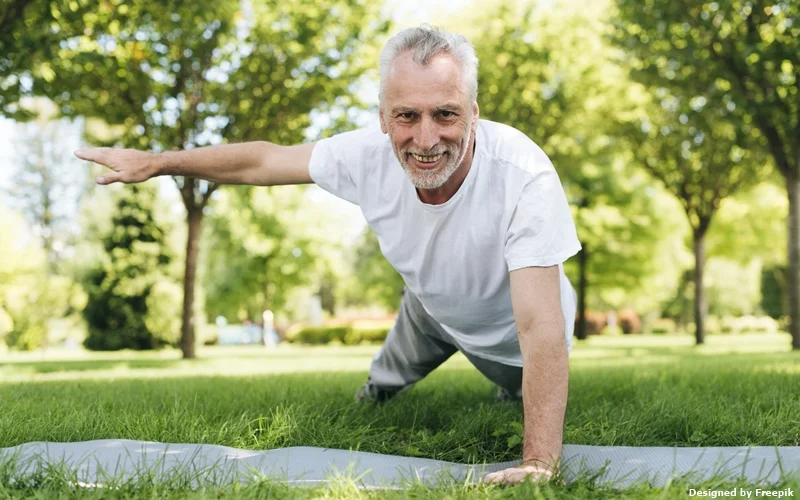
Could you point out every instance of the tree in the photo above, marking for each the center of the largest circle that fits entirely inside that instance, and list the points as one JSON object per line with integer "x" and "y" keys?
{"x": 119, "y": 289}
{"x": 258, "y": 252}
{"x": 744, "y": 55}
{"x": 374, "y": 280}
{"x": 29, "y": 296}
{"x": 546, "y": 73}
{"x": 751, "y": 229}
{"x": 44, "y": 187}
{"x": 184, "y": 74}
{"x": 702, "y": 155}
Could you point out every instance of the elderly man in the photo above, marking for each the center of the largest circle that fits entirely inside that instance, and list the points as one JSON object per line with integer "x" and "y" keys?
{"x": 471, "y": 213}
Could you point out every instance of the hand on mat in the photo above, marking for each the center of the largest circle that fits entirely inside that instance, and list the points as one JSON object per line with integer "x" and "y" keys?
{"x": 518, "y": 474}
{"x": 128, "y": 165}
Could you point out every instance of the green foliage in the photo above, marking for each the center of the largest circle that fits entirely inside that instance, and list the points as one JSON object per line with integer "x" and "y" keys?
{"x": 259, "y": 250}
{"x": 374, "y": 280}
{"x": 773, "y": 291}
{"x": 163, "y": 317}
{"x": 701, "y": 151}
{"x": 663, "y": 325}
{"x": 29, "y": 296}
{"x": 748, "y": 324}
{"x": 117, "y": 312}
{"x": 723, "y": 277}
{"x": 366, "y": 335}
{"x": 548, "y": 73}
{"x": 187, "y": 74}
{"x": 737, "y": 54}
{"x": 344, "y": 334}
{"x": 751, "y": 225}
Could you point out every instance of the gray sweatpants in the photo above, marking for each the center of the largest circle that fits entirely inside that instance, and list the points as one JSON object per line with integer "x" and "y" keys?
{"x": 417, "y": 344}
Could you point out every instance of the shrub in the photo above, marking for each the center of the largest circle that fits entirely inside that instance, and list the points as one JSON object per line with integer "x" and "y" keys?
{"x": 612, "y": 330}
{"x": 208, "y": 333}
{"x": 663, "y": 326}
{"x": 629, "y": 321}
{"x": 319, "y": 334}
{"x": 343, "y": 333}
{"x": 595, "y": 322}
{"x": 366, "y": 335}
{"x": 728, "y": 325}
{"x": 750, "y": 324}
{"x": 757, "y": 324}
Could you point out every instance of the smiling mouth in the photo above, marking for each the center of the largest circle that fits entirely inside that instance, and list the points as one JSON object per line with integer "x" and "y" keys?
{"x": 427, "y": 159}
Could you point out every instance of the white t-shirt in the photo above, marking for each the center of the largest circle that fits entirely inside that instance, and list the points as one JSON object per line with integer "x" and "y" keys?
{"x": 510, "y": 212}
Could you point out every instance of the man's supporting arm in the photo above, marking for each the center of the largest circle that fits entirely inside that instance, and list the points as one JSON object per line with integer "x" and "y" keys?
{"x": 257, "y": 163}
{"x": 536, "y": 300}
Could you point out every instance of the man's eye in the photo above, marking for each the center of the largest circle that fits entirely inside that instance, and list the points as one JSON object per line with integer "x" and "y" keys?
{"x": 407, "y": 116}
{"x": 447, "y": 114}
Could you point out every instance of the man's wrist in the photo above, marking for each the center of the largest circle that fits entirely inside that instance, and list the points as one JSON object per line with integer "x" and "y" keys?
{"x": 161, "y": 164}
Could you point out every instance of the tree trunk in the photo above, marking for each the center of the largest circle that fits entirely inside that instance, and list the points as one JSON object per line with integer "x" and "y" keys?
{"x": 195, "y": 221}
{"x": 793, "y": 268}
{"x": 699, "y": 293}
{"x": 580, "y": 328}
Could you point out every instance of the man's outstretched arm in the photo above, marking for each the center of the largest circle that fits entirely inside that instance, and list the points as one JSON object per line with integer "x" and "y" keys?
{"x": 536, "y": 301}
{"x": 258, "y": 163}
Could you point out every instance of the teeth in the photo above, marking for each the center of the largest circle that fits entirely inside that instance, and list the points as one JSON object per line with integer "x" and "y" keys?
{"x": 426, "y": 159}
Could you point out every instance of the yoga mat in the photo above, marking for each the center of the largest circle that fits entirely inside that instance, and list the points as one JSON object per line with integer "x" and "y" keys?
{"x": 93, "y": 463}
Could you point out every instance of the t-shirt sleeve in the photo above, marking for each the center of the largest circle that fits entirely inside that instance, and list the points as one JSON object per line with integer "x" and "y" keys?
{"x": 335, "y": 163}
{"x": 541, "y": 232}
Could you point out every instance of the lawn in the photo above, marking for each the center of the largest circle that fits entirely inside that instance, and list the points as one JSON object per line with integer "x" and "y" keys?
{"x": 625, "y": 391}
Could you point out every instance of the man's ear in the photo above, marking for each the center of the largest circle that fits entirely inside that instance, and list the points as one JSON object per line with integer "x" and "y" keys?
{"x": 475, "y": 116}
{"x": 384, "y": 129}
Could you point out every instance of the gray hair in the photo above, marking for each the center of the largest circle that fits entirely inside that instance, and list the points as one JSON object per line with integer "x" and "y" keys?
{"x": 427, "y": 42}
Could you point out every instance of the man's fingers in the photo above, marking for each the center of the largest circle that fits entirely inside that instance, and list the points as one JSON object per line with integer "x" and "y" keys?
{"x": 494, "y": 477}
{"x": 109, "y": 178}
{"x": 516, "y": 475}
{"x": 96, "y": 155}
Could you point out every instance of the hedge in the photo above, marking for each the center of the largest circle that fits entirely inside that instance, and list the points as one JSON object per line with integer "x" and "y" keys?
{"x": 346, "y": 334}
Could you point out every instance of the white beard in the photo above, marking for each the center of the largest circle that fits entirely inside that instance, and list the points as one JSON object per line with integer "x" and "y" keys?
{"x": 436, "y": 177}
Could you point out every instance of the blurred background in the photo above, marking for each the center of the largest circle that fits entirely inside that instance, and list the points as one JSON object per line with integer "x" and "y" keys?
{"x": 673, "y": 125}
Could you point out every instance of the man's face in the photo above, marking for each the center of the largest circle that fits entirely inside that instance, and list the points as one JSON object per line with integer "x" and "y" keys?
{"x": 429, "y": 119}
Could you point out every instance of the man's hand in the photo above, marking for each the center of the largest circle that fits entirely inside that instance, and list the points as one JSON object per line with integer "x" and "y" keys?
{"x": 537, "y": 472}
{"x": 127, "y": 165}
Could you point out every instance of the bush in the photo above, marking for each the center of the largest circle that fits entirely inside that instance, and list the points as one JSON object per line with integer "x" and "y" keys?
{"x": 208, "y": 333}
{"x": 629, "y": 321}
{"x": 612, "y": 330}
{"x": 366, "y": 335}
{"x": 595, "y": 322}
{"x": 319, "y": 334}
{"x": 164, "y": 312}
{"x": 750, "y": 324}
{"x": 345, "y": 334}
{"x": 663, "y": 326}
{"x": 728, "y": 325}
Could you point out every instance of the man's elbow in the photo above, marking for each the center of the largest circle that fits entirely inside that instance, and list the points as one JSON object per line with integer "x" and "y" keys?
{"x": 550, "y": 328}
{"x": 544, "y": 336}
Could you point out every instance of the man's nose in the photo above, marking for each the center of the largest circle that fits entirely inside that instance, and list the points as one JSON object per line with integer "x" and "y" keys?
{"x": 427, "y": 134}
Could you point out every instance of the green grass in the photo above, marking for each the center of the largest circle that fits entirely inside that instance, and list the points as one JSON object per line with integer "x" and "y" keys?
{"x": 624, "y": 391}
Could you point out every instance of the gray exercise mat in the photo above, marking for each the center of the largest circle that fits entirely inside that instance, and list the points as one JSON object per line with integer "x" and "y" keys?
{"x": 97, "y": 462}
